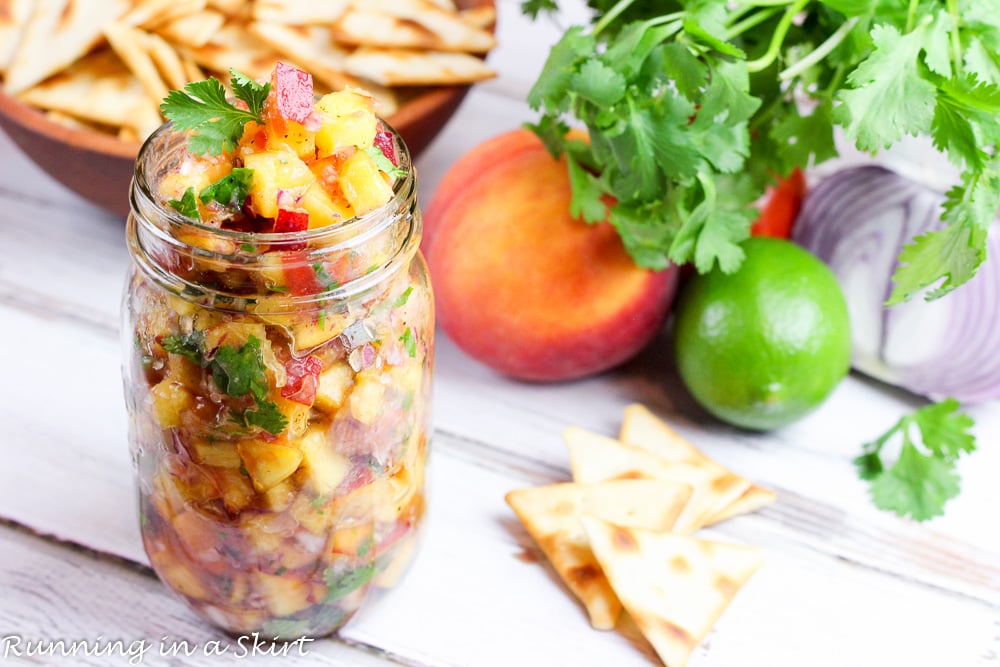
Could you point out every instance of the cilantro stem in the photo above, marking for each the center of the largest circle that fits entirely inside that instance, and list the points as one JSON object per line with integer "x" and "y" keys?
{"x": 956, "y": 44}
{"x": 751, "y": 21}
{"x": 911, "y": 15}
{"x": 778, "y": 38}
{"x": 610, "y": 16}
{"x": 820, "y": 52}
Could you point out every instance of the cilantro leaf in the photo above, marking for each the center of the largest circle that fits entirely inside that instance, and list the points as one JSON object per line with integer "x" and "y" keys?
{"x": 383, "y": 163}
{"x": 248, "y": 90}
{"x": 215, "y": 124}
{"x": 340, "y": 584}
{"x": 598, "y": 83}
{"x": 231, "y": 190}
{"x": 889, "y": 98}
{"x": 265, "y": 415}
{"x": 587, "y": 200}
{"x": 533, "y": 8}
{"x": 403, "y": 298}
{"x": 923, "y": 478}
{"x": 186, "y": 205}
{"x": 238, "y": 371}
{"x": 550, "y": 90}
{"x": 409, "y": 342}
{"x": 189, "y": 345}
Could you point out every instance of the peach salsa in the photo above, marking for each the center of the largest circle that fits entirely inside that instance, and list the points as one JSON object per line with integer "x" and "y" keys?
{"x": 278, "y": 353}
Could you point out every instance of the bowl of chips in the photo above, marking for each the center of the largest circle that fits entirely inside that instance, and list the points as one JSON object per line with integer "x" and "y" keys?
{"x": 82, "y": 79}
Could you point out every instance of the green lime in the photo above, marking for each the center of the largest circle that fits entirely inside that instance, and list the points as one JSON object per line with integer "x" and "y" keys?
{"x": 765, "y": 345}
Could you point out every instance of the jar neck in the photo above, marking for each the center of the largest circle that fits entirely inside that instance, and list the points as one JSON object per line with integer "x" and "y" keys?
{"x": 238, "y": 271}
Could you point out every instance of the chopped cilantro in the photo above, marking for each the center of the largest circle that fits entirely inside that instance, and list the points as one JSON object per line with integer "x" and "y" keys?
{"x": 403, "y": 298}
{"x": 409, "y": 342}
{"x": 383, "y": 163}
{"x": 266, "y": 416}
{"x": 277, "y": 288}
{"x": 186, "y": 205}
{"x": 216, "y": 124}
{"x": 339, "y": 585}
{"x": 189, "y": 345}
{"x": 240, "y": 371}
{"x": 231, "y": 190}
{"x": 923, "y": 477}
{"x": 280, "y": 571}
{"x": 248, "y": 247}
{"x": 366, "y": 546}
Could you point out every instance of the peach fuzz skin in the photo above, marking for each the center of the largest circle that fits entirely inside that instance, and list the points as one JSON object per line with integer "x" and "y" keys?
{"x": 522, "y": 286}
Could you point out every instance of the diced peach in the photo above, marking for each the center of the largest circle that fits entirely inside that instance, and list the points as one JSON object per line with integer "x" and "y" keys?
{"x": 234, "y": 334}
{"x": 334, "y": 383}
{"x": 274, "y": 171}
{"x": 218, "y": 454}
{"x": 363, "y": 184}
{"x": 354, "y": 539}
{"x": 348, "y": 121}
{"x": 366, "y": 397}
{"x": 291, "y": 136}
{"x": 268, "y": 463}
{"x": 323, "y": 208}
{"x": 170, "y": 400}
{"x": 325, "y": 468}
{"x": 237, "y": 491}
{"x": 283, "y": 595}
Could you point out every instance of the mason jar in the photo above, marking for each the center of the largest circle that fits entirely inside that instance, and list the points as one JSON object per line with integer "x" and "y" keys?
{"x": 278, "y": 392}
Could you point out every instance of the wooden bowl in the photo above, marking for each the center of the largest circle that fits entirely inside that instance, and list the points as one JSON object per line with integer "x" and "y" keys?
{"x": 99, "y": 167}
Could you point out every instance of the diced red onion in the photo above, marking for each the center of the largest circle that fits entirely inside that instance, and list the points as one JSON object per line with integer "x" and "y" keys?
{"x": 857, "y": 221}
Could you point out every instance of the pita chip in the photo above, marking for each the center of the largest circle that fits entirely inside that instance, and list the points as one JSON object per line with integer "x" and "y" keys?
{"x": 481, "y": 17}
{"x": 641, "y": 428}
{"x": 194, "y": 30}
{"x": 101, "y": 89}
{"x": 595, "y": 458}
{"x": 310, "y": 47}
{"x": 403, "y": 67}
{"x": 151, "y": 13}
{"x": 58, "y": 34}
{"x": 129, "y": 44}
{"x": 14, "y": 15}
{"x": 675, "y": 587}
{"x": 166, "y": 59}
{"x": 299, "y": 12}
{"x": 233, "y": 8}
{"x": 421, "y": 20}
{"x": 551, "y": 514}
{"x": 373, "y": 28}
{"x": 232, "y": 46}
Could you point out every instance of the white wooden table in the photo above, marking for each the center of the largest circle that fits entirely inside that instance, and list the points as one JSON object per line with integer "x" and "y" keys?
{"x": 844, "y": 584}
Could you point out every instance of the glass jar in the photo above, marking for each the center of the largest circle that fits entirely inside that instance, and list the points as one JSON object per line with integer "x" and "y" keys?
{"x": 278, "y": 392}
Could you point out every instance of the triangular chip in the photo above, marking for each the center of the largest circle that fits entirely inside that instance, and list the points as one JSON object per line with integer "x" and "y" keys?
{"x": 752, "y": 500}
{"x": 402, "y": 67}
{"x": 299, "y": 12}
{"x": 58, "y": 34}
{"x": 641, "y": 428}
{"x": 551, "y": 514}
{"x": 194, "y": 30}
{"x": 675, "y": 587}
{"x": 484, "y": 17}
{"x": 166, "y": 59}
{"x": 14, "y": 16}
{"x": 151, "y": 13}
{"x": 309, "y": 46}
{"x": 233, "y": 47}
{"x": 129, "y": 44}
{"x": 595, "y": 458}
{"x": 233, "y": 8}
{"x": 101, "y": 89}
{"x": 437, "y": 31}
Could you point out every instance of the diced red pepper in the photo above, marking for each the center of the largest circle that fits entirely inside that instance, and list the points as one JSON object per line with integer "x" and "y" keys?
{"x": 293, "y": 89}
{"x": 300, "y": 276}
{"x": 778, "y": 214}
{"x": 303, "y": 378}
{"x": 385, "y": 144}
{"x": 291, "y": 221}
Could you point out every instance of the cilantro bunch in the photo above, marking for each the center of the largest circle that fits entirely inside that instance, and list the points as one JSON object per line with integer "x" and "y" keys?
{"x": 694, "y": 106}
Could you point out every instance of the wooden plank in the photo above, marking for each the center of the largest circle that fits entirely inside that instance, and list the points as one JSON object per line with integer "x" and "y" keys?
{"x": 55, "y": 592}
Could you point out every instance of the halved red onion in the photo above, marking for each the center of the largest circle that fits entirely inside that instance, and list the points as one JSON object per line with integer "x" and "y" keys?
{"x": 857, "y": 220}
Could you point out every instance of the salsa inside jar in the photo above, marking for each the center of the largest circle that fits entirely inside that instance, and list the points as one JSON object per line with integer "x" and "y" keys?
{"x": 280, "y": 343}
